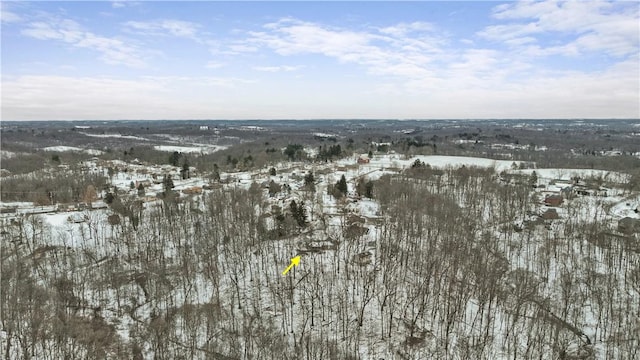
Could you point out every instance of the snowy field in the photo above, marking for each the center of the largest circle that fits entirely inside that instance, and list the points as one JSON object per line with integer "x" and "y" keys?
{"x": 119, "y": 136}
{"x": 202, "y": 149}
{"x": 71, "y": 148}
{"x": 568, "y": 174}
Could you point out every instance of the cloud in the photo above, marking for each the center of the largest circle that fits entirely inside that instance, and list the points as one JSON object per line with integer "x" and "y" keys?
{"x": 388, "y": 51}
{"x": 409, "y": 70}
{"x": 102, "y": 98}
{"x": 235, "y": 49}
{"x": 113, "y": 51}
{"x": 176, "y": 28}
{"x": 285, "y": 68}
{"x": 403, "y": 29}
{"x": 123, "y": 4}
{"x": 593, "y": 26}
{"x": 214, "y": 65}
{"x": 7, "y": 16}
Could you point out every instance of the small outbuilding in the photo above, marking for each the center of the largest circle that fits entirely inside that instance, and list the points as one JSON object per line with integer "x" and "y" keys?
{"x": 553, "y": 200}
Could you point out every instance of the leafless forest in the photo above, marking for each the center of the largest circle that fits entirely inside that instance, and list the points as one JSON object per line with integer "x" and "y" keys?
{"x": 430, "y": 248}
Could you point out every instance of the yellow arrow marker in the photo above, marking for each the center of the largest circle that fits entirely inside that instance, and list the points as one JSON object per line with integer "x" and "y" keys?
{"x": 294, "y": 262}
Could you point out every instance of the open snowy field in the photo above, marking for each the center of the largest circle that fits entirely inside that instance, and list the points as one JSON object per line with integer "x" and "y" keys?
{"x": 202, "y": 149}
{"x": 63, "y": 148}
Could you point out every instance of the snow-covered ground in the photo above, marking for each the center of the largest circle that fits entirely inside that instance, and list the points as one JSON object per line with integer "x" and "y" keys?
{"x": 437, "y": 161}
{"x": 568, "y": 174}
{"x": 6, "y": 154}
{"x": 202, "y": 242}
{"x": 120, "y": 136}
{"x": 63, "y": 148}
{"x": 202, "y": 149}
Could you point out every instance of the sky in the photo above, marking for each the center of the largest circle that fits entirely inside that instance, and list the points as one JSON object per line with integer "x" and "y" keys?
{"x": 144, "y": 60}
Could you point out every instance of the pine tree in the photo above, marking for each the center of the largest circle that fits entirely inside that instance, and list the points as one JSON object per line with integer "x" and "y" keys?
{"x": 174, "y": 158}
{"x": 533, "y": 180}
{"x": 309, "y": 182}
{"x": 368, "y": 191}
{"x": 298, "y": 213}
{"x": 341, "y": 185}
{"x": 167, "y": 184}
{"x": 185, "y": 170}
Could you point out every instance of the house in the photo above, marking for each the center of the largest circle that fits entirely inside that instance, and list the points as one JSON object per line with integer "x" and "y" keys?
{"x": 553, "y": 200}
{"x": 192, "y": 190}
{"x": 98, "y": 205}
{"x": 583, "y": 191}
{"x": 629, "y": 225}
{"x": 145, "y": 183}
{"x": 550, "y": 214}
{"x": 363, "y": 160}
{"x": 8, "y": 210}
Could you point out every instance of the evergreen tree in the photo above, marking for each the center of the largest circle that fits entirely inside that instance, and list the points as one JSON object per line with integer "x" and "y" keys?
{"x": 298, "y": 213}
{"x": 167, "y": 184}
{"x": 365, "y": 188}
{"x": 215, "y": 176}
{"x": 185, "y": 170}
{"x": 309, "y": 182}
{"x": 341, "y": 185}
{"x": 293, "y": 151}
{"x": 274, "y": 188}
{"x": 533, "y": 180}
{"x": 368, "y": 189}
{"x": 174, "y": 158}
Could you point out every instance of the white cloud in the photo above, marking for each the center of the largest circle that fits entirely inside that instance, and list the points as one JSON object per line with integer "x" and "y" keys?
{"x": 214, "y": 65}
{"x": 75, "y": 98}
{"x": 7, "y": 16}
{"x": 285, "y": 68}
{"x": 235, "y": 49}
{"x": 403, "y": 29}
{"x": 177, "y": 28}
{"x": 123, "y": 4}
{"x": 410, "y": 70}
{"x": 383, "y": 53}
{"x": 593, "y": 25}
{"x": 114, "y": 51}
